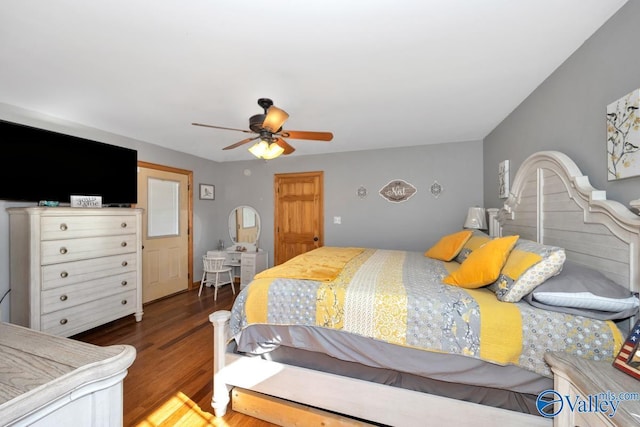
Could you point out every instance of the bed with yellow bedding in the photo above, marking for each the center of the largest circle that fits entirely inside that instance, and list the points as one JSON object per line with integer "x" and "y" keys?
{"x": 384, "y": 335}
{"x": 398, "y": 298}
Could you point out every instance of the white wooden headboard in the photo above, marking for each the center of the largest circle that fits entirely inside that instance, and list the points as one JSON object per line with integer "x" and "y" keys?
{"x": 553, "y": 203}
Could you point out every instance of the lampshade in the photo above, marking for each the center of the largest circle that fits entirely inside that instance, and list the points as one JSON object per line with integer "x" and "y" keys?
{"x": 273, "y": 151}
{"x": 259, "y": 148}
{"x": 275, "y": 119}
{"x": 476, "y": 219}
{"x": 266, "y": 150}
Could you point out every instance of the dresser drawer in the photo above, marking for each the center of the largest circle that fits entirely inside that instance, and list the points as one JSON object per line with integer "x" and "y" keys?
{"x": 68, "y": 296}
{"x": 68, "y": 273}
{"x": 82, "y": 317}
{"x": 71, "y": 227}
{"x": 247, "y": 273}
{"x": 249, "y": 261}
{"x": 92, "y": 247}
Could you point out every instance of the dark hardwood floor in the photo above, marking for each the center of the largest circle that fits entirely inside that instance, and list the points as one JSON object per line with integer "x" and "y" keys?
{"x": 174, "y": 343}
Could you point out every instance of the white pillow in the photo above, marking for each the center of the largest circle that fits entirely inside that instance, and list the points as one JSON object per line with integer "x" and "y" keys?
{"x": 586, "y": 300}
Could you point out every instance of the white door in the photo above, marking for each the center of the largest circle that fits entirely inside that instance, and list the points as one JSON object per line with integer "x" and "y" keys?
{"x": 164, "y": 196}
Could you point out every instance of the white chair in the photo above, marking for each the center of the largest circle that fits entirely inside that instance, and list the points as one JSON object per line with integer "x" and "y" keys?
{"x": 214, "y": 266}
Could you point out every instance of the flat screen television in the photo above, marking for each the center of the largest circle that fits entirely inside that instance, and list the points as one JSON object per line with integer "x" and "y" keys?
{"x": 38, "y": 164}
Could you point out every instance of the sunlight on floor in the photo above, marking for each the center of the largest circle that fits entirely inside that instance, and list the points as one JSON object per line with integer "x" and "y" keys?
{"x": 178, "y": 411}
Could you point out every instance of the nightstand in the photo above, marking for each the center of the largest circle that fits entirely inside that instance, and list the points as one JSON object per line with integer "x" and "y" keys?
{"x": 580, "y": 379}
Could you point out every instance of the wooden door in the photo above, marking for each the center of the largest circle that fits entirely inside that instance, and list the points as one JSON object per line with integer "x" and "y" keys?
{"x": 299, "y": 214}
{"x": 166, "y": 256}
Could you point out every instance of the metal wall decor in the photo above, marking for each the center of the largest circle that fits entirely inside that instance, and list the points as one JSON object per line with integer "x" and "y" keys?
{"x": 361, "y": 192}
{"x": 398, "y": 191}
{"x": 436, "y": 189}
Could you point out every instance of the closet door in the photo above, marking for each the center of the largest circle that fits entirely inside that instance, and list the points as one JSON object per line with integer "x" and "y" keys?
{"x": 299, "y": 214}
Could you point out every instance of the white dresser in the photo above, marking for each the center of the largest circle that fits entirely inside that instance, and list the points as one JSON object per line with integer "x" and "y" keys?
{"x": 73, "y": 269}
{"x": 52, "y": 381}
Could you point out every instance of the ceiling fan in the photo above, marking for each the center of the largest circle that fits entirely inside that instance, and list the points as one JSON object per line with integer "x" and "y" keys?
{"x": 269, "y": 132}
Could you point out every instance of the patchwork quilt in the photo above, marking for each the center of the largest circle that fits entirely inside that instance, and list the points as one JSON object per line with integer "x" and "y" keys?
{"x": 398, "y": 297}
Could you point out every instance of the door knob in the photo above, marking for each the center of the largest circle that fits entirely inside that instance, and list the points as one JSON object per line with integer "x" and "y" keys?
{"x": 315, "y": 238}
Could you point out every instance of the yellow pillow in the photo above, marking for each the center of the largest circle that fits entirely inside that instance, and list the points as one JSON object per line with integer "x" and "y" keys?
{"x": 483, "y": 265}
{"x": 478, "y": 238}
{"x": 448, "y": 247}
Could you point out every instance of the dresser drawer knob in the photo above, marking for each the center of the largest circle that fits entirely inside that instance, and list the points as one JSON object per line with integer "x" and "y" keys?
{"x": 125, "y": 263}
{"x": 123, "y": 283}
{"x": 123, "y": 302}
{"x": 63, "y": 250}
{"x": 63, "y": 227}
{"x": 123, "y": 225}
{"x": 63, "y": 297}
{"x": 123, "y": 244}
{"x": 63, "y": 321}
{"x": 64, "y": 274}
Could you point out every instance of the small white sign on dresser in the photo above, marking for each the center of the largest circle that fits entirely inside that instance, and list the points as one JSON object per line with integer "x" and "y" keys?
{"x": 86, "y": 201}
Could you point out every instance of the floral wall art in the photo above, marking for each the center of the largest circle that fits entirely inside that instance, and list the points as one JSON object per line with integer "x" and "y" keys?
{"x": 623, "y": 137}
{"x": 503, "y": 179}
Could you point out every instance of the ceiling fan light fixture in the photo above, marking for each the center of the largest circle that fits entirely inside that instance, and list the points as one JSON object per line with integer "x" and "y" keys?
{"x": 266, "y": 150}
{"x": 273, "y": 151}
{"x": 259, "y": 148}
{"x": 275, "y": 119}
{"x": 267, "y": 129}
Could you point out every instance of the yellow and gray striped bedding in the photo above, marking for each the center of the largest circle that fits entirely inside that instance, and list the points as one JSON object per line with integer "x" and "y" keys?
{"x": 397, "y": 297}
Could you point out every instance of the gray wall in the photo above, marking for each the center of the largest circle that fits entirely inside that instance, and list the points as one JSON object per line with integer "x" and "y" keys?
{"x": 567, "y": 112}
{"x": 372, "y": 222}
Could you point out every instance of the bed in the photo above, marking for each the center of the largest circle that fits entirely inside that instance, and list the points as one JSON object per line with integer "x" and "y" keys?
{"x": 382, "y": 338}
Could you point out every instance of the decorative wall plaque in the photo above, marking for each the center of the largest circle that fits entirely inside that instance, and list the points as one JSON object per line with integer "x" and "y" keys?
{"x": 436, "y": 189}
{"x": 398, "y": 191}
{"x": 361, "y": 192}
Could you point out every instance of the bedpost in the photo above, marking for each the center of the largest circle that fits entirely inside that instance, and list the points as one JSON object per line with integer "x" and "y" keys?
{"x": 220, "y": 398}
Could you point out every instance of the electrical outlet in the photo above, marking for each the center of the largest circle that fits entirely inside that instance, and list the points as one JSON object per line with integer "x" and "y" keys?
{"x": 337, "y": 220}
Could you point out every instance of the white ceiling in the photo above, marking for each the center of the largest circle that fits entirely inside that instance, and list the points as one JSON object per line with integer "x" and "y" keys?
{"x": 376, "y": 73}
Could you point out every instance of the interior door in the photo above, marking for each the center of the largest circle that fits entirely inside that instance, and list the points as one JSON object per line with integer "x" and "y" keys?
{"x": 299, "y": 214}
{"x": 165, "y": 195}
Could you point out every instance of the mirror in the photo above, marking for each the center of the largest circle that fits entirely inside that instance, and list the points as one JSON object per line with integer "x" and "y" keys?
{"x": 244, "y": 225}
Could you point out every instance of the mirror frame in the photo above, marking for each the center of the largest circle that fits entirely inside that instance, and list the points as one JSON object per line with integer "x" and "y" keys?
{"x": 233, "y": 230}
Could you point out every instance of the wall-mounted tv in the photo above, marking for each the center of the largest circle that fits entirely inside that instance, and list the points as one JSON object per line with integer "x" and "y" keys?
{"x": 37, "y": 164}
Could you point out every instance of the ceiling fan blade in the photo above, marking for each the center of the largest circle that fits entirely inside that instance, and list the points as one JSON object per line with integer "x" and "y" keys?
{"x": 239, "y": 143}
{"x": 288, "y": 149}
{"x": 301, "y": 134}
{"x": 275, "y": 119}
{"x": 222, "y": 127}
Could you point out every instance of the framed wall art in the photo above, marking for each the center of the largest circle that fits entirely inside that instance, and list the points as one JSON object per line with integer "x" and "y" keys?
{"x": 207, "y": 192}
{"x": 623, "y": 137}
{"x": 503, "y": 179}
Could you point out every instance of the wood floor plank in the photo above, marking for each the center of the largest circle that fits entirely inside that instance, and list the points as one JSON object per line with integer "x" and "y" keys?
{"x": 174, "y": 364}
